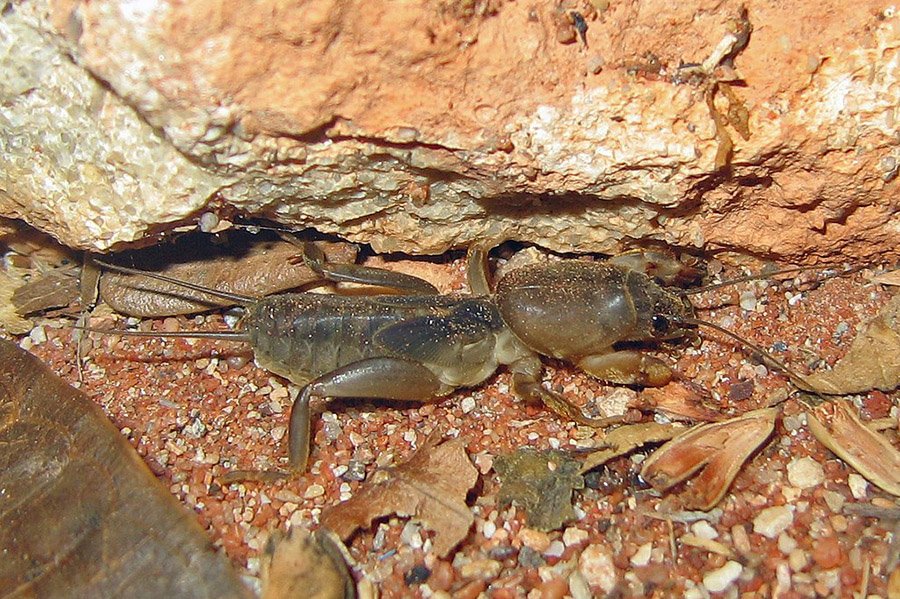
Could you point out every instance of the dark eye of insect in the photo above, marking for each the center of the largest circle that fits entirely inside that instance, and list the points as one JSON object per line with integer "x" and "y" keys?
{"x": 660, "y": 324}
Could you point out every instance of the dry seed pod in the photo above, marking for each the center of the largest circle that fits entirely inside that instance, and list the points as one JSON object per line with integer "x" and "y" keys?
{"x": 838, "y": 428}
{"x": 718, "y": 448}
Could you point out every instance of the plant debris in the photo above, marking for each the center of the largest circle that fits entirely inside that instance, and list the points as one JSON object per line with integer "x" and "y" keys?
{"x": 542, "y": 482}
{"x": 247, "y": 266}
{"x": 81, "y": 515}
{"x": 626, "y": 439}
{"x": 52, "y": 289}
{"x": 873, "y": 361}
{"x": 301, "y": 564}
{"x": 837, "y": 427}
{"x": 719, "y": 449}
{"x": 431, "y": 487}
{"x": 678, "y": 401}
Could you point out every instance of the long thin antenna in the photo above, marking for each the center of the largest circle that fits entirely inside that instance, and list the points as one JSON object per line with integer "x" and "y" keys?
{"x": 759, "y": 277}
{"x": 244, "y": 300}
{"x": 796, "y": 378}
{"x": 240, "y": 336}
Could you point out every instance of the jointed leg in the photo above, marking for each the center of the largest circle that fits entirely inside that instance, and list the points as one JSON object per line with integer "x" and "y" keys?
{"x": 375, "y": 378}
{"x": 526, "y": 384}
{"x": 314, "y": 258}
{"x": 627, "y": 368}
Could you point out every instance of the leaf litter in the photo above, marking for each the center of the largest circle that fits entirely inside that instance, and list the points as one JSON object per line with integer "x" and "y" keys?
{"x": 82, "y": 515}
{"x": 542, "y": 482}
{"x": 431, "y": 488}
{"x": 873, "y": 361}
{"x": 716, "y": 450}
{"x": 304, "y": 564}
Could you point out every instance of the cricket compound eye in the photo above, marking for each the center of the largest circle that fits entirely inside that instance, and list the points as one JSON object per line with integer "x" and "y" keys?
{"x": 660, "y": 324}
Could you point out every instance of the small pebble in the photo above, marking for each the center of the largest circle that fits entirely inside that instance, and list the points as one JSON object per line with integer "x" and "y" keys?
{"x": 411, "y": 535}
{"x": 720, "y": 579}
{"x": 596, "y": 63}
{"x": 642, "y": 555}
{"x": 834, "y": 500}
{"x": 704, "y": 530}
{"x": 417, "y": 575}
{"x": 794, "y": 422}
{"x": 208, "y": 222}
{"x": 356, "y": 471}
{"x": 748, "y": 300}
{"x": 859, "y": 486}
{"x": 772, "y": 521}
{"x": 555, "y": 549}
{"x": 740, "y": 539}
{"x": 529, "y": 558}
{"x": 786, "y": 543}
{"x": 574, "y": 536}
{"x": 489, "y": 529}
{"x": 805, "y": 473}
{"x": 841, "y": 329}
{"x": 534, "y": 539}
{"x": 38, "y": 335}
{"x": 482, "y": 569}
{"x": 839, "y": 523}
{"x": 314, "y": 490}
{"x": 597, "y": 567}
{"x": 467, "y": 404}
{"x": 578, "y": 586}
{"x": 798, "y": 560}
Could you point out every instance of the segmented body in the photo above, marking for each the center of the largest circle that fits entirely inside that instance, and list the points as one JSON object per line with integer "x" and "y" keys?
{"x": 302, "y": 336}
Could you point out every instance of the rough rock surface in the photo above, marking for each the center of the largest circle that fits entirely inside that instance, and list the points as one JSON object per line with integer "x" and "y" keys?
{"x": 424, "y": 126}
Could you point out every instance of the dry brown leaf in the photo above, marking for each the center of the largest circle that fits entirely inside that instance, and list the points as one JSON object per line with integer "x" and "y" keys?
{"x": 837, "y": 427}
{"x": 246, "y": 265}
{"x": 678, "y": 401}
{"x": 891, "y": 277}
{"x": 542, "y": 482}
{"x": 307, "y": 565}
{"x": 718, "y": 448}
{"x": 627, "y": 438}
{"x": 55, "y": 288}
{"x": 431, "y": 488}
{"x": 81, "y": 515}
{"x": 10, "y": 319}
{"x": 873, "y": 361}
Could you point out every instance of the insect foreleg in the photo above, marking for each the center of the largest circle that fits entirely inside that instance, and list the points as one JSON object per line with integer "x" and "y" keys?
{"x": 627, "y": 368}
{"x": 526, "y": 385}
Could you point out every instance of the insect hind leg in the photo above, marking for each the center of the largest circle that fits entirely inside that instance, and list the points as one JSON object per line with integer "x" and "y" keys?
{"x": 375, "y": 378}
{"x": 315, "y": 260}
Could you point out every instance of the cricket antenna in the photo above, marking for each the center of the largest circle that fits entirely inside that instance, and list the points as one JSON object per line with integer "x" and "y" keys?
{"x": 239, "y": 336}
{"x": 798, "y": 379}
{"x": 786, "y": 271}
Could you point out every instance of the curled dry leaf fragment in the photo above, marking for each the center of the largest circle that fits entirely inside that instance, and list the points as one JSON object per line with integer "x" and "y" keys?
{"x": 678, "y": 401}
{"x": 431, "y": 487}
{"x": 837, "y": 427}
{"x": 81, "y": 515}
{"x": 719, "y": 449}
{"x": 628, "y": 438}
{"x": 873, "y": 361}
{"x": 542, "y": 482}
{"x": 304, "y": 564}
